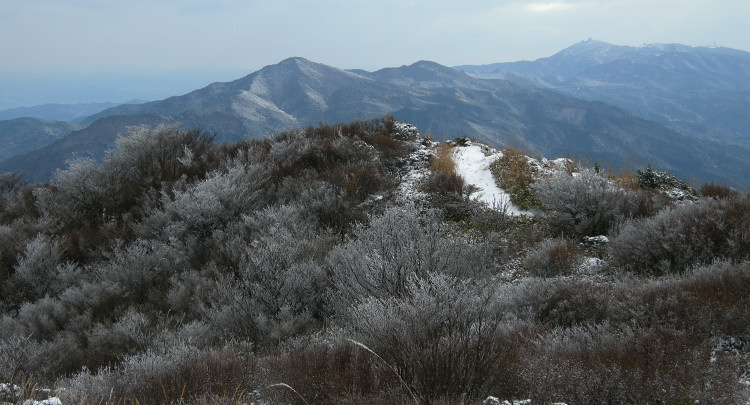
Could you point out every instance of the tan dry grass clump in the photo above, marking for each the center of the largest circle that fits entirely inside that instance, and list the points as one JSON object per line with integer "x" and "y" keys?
{"x": 514, "y": 175}
{"x": 443, "y": 161}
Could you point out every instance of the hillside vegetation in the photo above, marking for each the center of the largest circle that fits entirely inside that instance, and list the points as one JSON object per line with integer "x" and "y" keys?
{"x": 349, "y": 264}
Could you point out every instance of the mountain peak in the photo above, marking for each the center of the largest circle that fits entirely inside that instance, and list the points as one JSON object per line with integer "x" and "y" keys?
{"x": 426, "y": 75}
{"x": 304, "y": 66}
{"x": 297, "y": 60}
{"x": 589, "y": 47}
{"x": 428, "y": 64}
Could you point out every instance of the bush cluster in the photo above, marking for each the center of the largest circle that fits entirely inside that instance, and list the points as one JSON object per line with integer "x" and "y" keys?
{"x": 178, "y": 270}
{"x": 690, "y": 234}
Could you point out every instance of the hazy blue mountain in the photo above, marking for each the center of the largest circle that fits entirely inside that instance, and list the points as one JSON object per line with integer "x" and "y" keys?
{"x": 21, "y": 135}
{"x": 703, "y": 92}
{"x": 60, "y": 112}
{"x": 442, "y": 101}
{"x": 91, "y": 141}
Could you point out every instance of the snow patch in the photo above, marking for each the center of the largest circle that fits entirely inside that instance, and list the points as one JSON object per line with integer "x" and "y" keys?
{"x": 48, "y": 401}
{"x": 541, "y": 168}
{"x": 595, "y": 240}
{"x": 259, "y": 87}
{"x": 473, "y": 164}
{"x": 591, "y": 265}
{"x": 8, "y": 392}
{"x": 316, "y": 98}
{"x": 250, "y": 105}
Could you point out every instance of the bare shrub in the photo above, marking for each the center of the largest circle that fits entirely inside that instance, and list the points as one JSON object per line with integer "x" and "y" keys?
{"x": 643, "y": 203}
{"x": 444, "y": 184}
{"x": 689, "y": 234}
{"x": 715, "y": 190}
{"x": 625, "y": 179}
{"x": 553, "y": 257}
{"x": 707, "y": 301}
{"x": 335, "y": 371}
{"x": 602, "y": 364}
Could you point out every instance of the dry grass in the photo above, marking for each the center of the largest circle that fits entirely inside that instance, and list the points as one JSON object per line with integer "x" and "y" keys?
{"x": 514, "y": 175}
{"x": 626, "y": 179}
{"x": 363, "y": 346}
{"x": 443, "y": 161}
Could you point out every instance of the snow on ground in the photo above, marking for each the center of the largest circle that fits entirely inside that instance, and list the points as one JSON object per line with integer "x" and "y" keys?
{"x": 414, "y": 173}
{"x": 473, "y": 164}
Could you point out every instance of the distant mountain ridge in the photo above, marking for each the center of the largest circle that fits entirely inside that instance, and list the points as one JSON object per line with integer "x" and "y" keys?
{"x": 442, "y": 101}
{"x": 703, "y": 92}
{"x": 22, "y": 135}
{"x": 60, "y": 112}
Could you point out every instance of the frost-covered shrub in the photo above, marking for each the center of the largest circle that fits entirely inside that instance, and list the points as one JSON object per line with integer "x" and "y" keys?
{"x": 209, "y": 204}
{"x": 89, "y": 194}
{"x": 131, "y": 333}
{"x": 141, "y": 270}
{"x": 553, "y": 257}
{"x": 177, "y": 372}
{"x": 583, "y": 204}
{"x": 14, "y": 354}
{"x": 36, "y": 270}
{"x": 44, "y": 318}
{"x": 400, "y": 244}
{"x": 77, "y": 196}
{"x": 9, "y": 182}
{"x": 23, "y": 358}
{"x": 689, "y": 234}
{"x": 277, "y": 283}
{"x": 326, "y": 203}
{"x": 154, "y": 155}
{"x": 442, "y": 335}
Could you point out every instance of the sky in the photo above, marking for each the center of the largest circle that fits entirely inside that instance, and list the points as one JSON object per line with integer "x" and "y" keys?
{"x": 115, "y": 50}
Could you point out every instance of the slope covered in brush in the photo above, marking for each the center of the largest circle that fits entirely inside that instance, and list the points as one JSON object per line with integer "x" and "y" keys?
{"x": 352, "y": 263}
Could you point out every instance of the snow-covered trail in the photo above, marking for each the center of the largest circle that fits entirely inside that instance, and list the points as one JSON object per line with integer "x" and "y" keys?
{"x": 474, "y": 166}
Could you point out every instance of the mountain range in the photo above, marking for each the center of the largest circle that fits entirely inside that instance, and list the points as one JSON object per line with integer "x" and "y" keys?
{"x": 527, "y": 104}
{"x": 23, "y": 135}
{"x": 702, "y": 92}
{"x": 60, "y": 112}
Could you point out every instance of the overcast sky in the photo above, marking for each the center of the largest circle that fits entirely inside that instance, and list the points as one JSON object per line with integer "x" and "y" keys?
{"x": 228, "y": 38}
